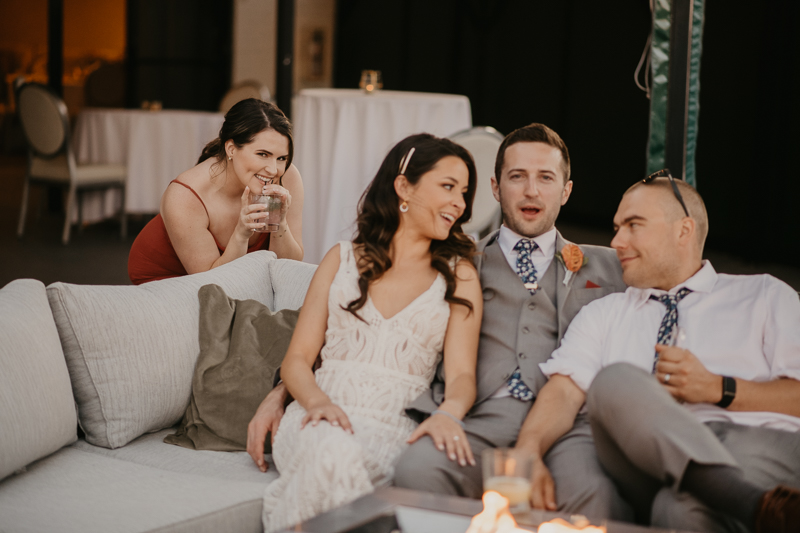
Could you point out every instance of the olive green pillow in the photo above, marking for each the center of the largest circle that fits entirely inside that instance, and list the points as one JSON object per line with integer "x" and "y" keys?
{"x": 242, "y": 344}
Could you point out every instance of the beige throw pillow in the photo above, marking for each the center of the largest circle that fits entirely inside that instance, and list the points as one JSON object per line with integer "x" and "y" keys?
{"x": 242, "y": 344}
{"x": 131, "y": 351}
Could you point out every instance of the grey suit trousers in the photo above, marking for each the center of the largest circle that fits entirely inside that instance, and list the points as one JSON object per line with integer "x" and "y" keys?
{"x": 581, "y": 485}
{"x": 645, "y": 440}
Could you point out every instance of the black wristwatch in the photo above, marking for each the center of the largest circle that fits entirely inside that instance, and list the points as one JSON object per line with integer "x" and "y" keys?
{"x": 728, "y": 391}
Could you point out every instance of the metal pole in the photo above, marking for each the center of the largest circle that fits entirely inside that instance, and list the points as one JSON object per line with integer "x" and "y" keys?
{"x": 284, "y": 76}
{"x": 680, "y": 49}
{"x": 55, "y": 46}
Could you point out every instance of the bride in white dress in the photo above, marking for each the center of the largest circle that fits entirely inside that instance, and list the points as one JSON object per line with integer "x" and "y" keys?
{"x": 382, "y": 311}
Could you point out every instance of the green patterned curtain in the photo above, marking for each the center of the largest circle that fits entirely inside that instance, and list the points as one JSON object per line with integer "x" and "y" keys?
{"x": 659, "y": 66}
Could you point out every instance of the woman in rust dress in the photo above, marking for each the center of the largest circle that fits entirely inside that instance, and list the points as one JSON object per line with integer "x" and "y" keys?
{"x": 206, "y": 219}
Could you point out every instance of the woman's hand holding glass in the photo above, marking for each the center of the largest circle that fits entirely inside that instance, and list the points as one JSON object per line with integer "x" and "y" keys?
{"x": 251, "y": 217}
{"x": 448, "y": 436}
{"x": 276, "y": 190}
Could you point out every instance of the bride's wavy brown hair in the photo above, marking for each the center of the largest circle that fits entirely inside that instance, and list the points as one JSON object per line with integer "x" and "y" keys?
{"x": 379, "y": 215}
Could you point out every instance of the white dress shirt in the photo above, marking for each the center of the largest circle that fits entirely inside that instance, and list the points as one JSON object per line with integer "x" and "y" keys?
{"x": 741, "y": 326}
{"x": 541, "y": 257}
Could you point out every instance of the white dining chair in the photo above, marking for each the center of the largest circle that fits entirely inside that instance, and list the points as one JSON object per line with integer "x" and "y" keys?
{"x": 482, "y": 142}
{"x": 242, "y": 91}
{"x": 51, "y": 159}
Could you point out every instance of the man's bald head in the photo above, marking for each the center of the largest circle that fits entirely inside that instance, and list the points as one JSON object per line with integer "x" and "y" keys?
{"x": 672, "y": 207}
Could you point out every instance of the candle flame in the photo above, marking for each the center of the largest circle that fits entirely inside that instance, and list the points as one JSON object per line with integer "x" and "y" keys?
{"x": 562, "y": 526}
{"x": 496, "y": 518}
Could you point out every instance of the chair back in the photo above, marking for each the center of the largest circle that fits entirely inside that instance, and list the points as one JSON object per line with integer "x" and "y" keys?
{"x": 242, "y": 91}
{"x": 482, "y": 142}
{"x": 44, "y": 120}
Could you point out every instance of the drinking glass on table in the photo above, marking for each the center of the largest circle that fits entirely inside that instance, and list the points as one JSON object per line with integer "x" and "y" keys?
{"x": 271, "y": 210}
{"x": 508, "y": 471}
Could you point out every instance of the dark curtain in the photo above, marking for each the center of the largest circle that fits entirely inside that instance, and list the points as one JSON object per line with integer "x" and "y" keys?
{"x": 179, "y": 52}
{"x": 570, "y": 64}
{"x": 749, "y": 136}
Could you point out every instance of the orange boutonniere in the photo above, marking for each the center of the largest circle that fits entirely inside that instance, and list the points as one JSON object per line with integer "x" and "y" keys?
{"x": 571, "y": 256}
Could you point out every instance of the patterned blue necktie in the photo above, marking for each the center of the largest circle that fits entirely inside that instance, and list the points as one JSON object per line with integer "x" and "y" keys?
{"x": 517, "y": 387}
{"x": 527, "y": 273}
{"x": 670, "y": 321}
{"x": 525, "y": 269}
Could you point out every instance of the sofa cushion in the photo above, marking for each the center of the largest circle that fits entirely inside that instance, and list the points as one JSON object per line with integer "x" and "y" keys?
{"x": 290, "y": 281}
{"x": 242, "y": 344}
{"x": 84, "y": 492}
{"x": 37, "y": 412}
{"x": 131, "y": 350}
{"x": 150, "y": 450}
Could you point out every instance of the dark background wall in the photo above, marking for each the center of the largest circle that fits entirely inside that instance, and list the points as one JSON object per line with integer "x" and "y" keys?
{"x": 570, "y": 64}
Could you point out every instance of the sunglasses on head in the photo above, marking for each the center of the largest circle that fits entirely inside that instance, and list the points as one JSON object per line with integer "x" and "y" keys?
{"x": 665, "y": 173}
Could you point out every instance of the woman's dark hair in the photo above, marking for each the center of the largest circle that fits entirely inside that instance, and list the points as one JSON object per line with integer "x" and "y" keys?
{"x": 379, "y": 215}
{"x": 243, "y": 122}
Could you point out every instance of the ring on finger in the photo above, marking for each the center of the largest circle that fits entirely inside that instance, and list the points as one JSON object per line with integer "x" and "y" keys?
{"x": 666, "y": 377}
{"x": 456, "y": 437}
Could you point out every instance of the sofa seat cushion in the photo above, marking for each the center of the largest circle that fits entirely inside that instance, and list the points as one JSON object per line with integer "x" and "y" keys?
{"x": 73, "y": 490}
{"x": 131, "y": 351}
{"x": 37, "y": 412}
{"x": 150, "y": 450}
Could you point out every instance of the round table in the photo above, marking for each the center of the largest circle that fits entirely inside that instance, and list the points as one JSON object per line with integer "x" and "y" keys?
{"x": 341, "y": 137}
{"x": 156, "y": 146}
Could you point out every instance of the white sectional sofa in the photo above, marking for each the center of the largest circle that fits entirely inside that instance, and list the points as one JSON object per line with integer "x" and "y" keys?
{"x": 119, "y": 360}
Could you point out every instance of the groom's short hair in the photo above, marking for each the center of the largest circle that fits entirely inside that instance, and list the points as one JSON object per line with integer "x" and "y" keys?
{"x": 533, "y": 133}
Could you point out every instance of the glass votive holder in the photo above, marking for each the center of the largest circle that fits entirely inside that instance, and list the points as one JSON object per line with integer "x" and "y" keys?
{"x": 371, "y": 81}
{"x": 508, "y": 472}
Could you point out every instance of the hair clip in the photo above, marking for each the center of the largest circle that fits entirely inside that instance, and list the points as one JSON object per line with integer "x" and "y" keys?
{"x": 405, "y": 160}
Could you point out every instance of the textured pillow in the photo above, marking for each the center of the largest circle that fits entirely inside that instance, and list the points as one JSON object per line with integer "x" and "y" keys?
{"x": 37, "y": 412}
{"x": 290, "y": 281}
{"x": 131, "y": 350}
{"x": 242, "y": 343}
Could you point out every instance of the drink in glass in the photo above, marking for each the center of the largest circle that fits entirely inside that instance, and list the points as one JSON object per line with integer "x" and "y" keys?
{"x": 508, "y": 472}
{"x": 271, "y": 208}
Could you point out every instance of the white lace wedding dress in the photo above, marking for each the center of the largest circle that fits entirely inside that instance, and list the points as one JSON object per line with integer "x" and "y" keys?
{"x": 372, "y": 370}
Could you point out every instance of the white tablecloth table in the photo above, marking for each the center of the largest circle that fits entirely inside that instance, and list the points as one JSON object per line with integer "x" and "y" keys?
{"x": 156, "y": 146}
{"x": 341, "y": 137}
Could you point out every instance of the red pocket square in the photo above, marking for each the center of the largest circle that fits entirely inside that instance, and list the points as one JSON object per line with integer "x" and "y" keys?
{"x": 592, "y": 285}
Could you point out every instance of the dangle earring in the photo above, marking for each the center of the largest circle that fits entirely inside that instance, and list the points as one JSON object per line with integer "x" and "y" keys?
{"x": 403, "y": 167}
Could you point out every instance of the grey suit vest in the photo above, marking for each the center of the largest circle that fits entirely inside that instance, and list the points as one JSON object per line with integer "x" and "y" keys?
{"x": 523, "y": 330}
{"x": 518, "y": 329}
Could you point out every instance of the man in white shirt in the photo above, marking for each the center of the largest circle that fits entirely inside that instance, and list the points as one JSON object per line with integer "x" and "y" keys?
{"x": 529, "y": 299}
{"x": 690, "y": 378}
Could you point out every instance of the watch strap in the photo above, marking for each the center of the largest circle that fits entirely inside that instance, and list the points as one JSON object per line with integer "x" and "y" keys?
{"x": 728, "y": 391}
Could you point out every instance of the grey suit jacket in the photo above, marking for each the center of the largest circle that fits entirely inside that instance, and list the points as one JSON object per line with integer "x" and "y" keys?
{"x": 519, "y": 330}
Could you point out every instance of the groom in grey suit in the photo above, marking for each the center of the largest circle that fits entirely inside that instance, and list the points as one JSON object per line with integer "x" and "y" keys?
{"x": 530, "y": 297}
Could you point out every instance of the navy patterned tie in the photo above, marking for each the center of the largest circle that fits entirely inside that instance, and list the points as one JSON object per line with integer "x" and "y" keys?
{"x": 525, "y": 269}
{"x": 670, "y": 321}
{"x": 527, "y": 273}
{"x": 517, "y": 387}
